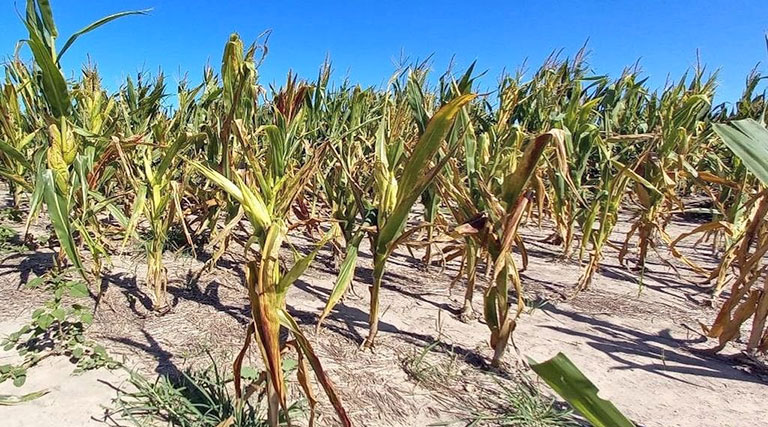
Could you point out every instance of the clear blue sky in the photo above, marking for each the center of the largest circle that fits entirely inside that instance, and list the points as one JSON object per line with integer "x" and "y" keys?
{"x": 365, "y": 38}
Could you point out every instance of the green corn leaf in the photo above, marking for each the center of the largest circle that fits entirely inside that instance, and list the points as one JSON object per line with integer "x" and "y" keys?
{"x": 58, "y": 211}
{"x": 470, "y": 147}
{"x": 182, "y": 141}
{"x": 36, "y": 200}
{"x": 33, "y": 18}
{"x": 27, "y": 139}
{"x": 53, "y": 82}
{"x": 109, "y": 205}
{"x": 343, "y": 280}
{"x": 95, "y": 25}
{"x": 430, "y": 142}
{"x": 254, "y": 205}
{"x": 490, "y": 314}
{"x": 138, "y": 208}
{"x": 47, "y": 15}
{"x": 571, "y": 384}
{"x": 589, "y": 221}
{"x": 748, "y": 139}
{"x": 381, "y": 144}
{"x": 298, "y": 269}
{"x": 14, "y": 154}
{"x": 82, "y": 166}
{"x": 414, "y": 179}
{"x": 633, "y": 175}
{"x": 395, "y": 223}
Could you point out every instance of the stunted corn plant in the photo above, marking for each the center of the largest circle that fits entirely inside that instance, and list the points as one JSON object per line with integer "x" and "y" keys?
{"x": 399, "y": 182}
{"x": 266, "y": 194}
{"x": 496, "y": 230}
{"x": 677, "y": 125}
{"x": 620, "y": 109}
{"x": 231, "y": 107}
{"x": 267, "y": 284}
{"x": 723, "y": 176}
{"x": 148, "y": 152}
{"x": 347, "y": 119}
{"x": 556, "y": 98}
{"x": 749, "y": 291}
{"x": 158, "y": 187}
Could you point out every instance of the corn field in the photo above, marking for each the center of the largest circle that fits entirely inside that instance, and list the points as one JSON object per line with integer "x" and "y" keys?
{"x": 426, "y": 163}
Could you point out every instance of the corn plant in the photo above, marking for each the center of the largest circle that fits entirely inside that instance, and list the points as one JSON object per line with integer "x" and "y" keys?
{"x": 347, "y": 119}
{"x": 70, "y": 155}
{"x": 723, "y": 176}
{"x": 749, "y": 141}
{"x": 17, "y": 132}
{"x": 620, "y": 108}
{"x": 266, "y": 195}
{"x": 495, "y": 228}
{"x": 158, "y": 190}
{"x": 676, "y": 121}
{"x": 267, "y": 284}
{"x": 396, "y": 190}
{"x": 232, "y": 106}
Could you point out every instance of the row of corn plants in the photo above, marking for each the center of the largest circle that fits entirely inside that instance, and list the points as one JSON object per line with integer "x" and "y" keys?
{"x": 407, "y": 165}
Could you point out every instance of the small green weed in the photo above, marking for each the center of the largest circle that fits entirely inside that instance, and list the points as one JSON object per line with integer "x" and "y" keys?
{"x": 199, "y": 398}
{"x": 56, "y": 328}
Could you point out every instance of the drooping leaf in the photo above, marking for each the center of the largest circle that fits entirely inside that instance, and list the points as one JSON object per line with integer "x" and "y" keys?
{"x": 9, "y": 400}
{"x": 515, "y": 182}
{"x": 344, "y": 278}
{"x": 573, "y": 386}
{"x": 171, "y": 152}
{"x": 228, "y": 186}
{"x": 18, "y": 179}
{"x": 261, "y": 278}
{"x": 58, "y": 211}
{"x": 289, "y": 322}
{"x": 14, "y": 154}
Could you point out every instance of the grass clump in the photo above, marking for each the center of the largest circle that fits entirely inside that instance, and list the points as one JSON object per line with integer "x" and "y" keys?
{"x": 524, "y": 405}
{"x": 196, "y": 397}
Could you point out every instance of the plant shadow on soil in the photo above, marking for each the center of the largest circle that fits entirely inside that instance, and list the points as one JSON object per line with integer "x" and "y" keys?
{"x": 163, "y": 357}
{"x": 670, "y": 357}
{"x": 618, "y": 340}
{"x": 354, "y": 320}
{"x": 29, "y": 263}
{"x": 347, "y": 321}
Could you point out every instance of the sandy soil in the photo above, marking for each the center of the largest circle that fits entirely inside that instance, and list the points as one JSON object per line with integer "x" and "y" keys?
{"x": 72, "y": 400}
{"x": 641, "y": 348}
